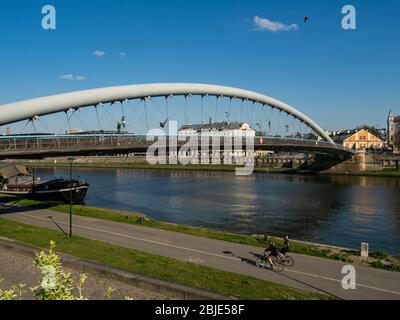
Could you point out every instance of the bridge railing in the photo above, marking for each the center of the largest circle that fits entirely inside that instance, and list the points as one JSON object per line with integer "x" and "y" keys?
{"x": 31, "y": 144}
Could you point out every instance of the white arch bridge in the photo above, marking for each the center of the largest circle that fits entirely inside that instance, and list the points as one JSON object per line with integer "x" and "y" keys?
{"x": 42, "y": 146}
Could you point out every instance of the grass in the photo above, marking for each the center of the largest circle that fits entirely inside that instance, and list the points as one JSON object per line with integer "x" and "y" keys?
{"x": 381, "y": 173}
{"x": 385, "y": 266}
{"x": 134, "y": 218}
{"x": 240, "y": 286}
{"x": 378, "y": 255}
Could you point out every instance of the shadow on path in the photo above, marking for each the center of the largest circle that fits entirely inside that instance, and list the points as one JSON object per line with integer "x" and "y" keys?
{"x": 15, "y": 208}
{"x": 284, "y": 275}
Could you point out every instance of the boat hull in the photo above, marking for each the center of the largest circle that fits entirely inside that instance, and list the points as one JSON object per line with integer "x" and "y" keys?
{"x": 77, "y": 196}
{"x": 65, "y": 194}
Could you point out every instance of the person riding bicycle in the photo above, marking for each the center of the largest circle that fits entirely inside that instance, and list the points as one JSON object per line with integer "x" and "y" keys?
{"x": 285, "y": 248}
{"x": 273, "y": 252}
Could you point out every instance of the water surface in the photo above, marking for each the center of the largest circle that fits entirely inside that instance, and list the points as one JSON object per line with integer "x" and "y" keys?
{"x": 339, "y": 210}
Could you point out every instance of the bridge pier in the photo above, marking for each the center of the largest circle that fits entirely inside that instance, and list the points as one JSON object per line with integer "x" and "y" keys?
{"x": 357, "y": 163}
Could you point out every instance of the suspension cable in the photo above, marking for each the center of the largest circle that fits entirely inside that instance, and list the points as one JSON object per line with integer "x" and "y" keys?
{"x": 41, "y": 122}
{"x": 145, "y": 110}
{"x": 202, "y": 105}
{"x": 108, "y": 112}
{"x": 185, "y": 110}
{"x": 26, "y": 124}
{"x": 123, "y": 109}
{"x": 33, "y": 125}
{"x": 216, "y": 109}
{"x": 241, "y": 110}
{"x": 77, "y": 111}
{"x": 230, "y": 107}
{"x": 166, "y": 106}
{"x": 97, "y": 116}
{"x": 69, "y": 118}
{"x": 138, "y": 113}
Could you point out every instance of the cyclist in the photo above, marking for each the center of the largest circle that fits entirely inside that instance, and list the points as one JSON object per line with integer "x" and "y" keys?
{"x": 285, "y": 248}
{"x": 273, "y": 252}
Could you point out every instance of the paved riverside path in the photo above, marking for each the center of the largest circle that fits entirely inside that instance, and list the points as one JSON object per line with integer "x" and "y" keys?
{"x": 308, "y": 273}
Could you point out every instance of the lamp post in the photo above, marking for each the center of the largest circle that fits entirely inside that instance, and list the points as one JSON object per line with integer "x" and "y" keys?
{"x": 71, "y": 161}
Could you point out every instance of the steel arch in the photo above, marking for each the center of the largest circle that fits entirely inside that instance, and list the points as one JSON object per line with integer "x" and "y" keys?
{"x": 28, "y": 109}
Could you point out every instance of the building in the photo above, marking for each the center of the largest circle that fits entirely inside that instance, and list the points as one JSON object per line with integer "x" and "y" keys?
{"x": 390, "y": 130}
{"x": 358, "y": 139}
{"x": 396, "y": 135}
{"x": 220, "y": 129}
{"x": 393, "y": 133}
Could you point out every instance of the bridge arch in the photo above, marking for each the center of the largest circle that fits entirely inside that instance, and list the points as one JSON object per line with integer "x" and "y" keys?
{"x": 28, "y": 109}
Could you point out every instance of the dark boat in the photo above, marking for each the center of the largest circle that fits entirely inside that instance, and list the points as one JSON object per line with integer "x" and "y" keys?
{"x": 18, "y": 181}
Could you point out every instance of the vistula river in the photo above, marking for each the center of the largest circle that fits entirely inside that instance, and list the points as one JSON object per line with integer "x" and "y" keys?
{"x": 337, "y": 210}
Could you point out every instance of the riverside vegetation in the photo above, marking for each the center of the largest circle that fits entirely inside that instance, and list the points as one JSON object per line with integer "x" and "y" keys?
{"x": 54, "y": 283}
{"x": 152, "y": 265}
{"x": 376, "y": 259}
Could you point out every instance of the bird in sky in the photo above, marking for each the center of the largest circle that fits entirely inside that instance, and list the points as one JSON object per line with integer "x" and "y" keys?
{"x": 162, "y": 124}
{"x": 306, "y": 19}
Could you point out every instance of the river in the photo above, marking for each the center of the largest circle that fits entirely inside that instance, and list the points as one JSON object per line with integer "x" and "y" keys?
{"x": 336, "y": 210}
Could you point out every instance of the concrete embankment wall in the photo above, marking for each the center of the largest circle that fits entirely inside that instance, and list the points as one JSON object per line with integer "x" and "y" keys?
{"x": 362, "y": 161}
{"x": 356, "y": 164}
{"x": 368, "y": 161}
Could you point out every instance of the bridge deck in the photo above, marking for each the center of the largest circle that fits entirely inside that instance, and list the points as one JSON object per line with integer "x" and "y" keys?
{"x": 41, "y": 146}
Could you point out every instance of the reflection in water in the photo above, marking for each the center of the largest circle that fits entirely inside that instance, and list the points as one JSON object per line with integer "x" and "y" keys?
{"x": 341, "y": 210}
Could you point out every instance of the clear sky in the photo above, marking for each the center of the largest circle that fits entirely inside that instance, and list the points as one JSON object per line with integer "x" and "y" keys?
{"x": 340, "y": 78}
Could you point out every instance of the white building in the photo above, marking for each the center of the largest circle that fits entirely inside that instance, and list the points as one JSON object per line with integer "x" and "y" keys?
{"x": 219, "y": 129}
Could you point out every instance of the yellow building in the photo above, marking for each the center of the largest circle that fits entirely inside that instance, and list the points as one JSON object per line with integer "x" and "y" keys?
{"x": 359, "y": 139}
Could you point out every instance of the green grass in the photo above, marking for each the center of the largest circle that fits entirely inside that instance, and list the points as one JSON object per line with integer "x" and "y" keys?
{"x": 343, "y": 255}
{"x": 380, "y": 173}
{"x": 134, "y": 218}
{"x": 241, "y": 286}
{"x": 378, "y": 255}
{"x": 385, "y": 266}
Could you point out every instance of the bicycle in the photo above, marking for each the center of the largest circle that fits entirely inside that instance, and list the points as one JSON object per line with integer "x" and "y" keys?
{"x": 262, "y": 262}
{"x": 288, "y": 261}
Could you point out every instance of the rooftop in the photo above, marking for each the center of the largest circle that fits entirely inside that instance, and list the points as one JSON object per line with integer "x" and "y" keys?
{"x": 214, "y": 126}
{"x": 10, "y": 170}
{"x": 342, "y": 135}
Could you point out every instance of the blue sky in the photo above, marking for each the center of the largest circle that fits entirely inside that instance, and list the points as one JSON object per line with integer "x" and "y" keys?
{"x": 339, "y": 78}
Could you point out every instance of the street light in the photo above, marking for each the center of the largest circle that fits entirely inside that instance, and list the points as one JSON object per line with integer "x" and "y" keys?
{"x": 71, "y": 161}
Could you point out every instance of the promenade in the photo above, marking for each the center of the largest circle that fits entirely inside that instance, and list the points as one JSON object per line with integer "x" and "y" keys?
{"x": 308, "y": 273}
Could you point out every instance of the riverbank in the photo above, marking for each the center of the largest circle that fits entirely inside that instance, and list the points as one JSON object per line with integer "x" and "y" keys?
{"x": 382, "y": 173}
{"x": 379, "y": 260}
{"x": 200, "y": 167}
{"x": 16, "y": 267}
{"x": 153, "y": 265}
{"x": 146, "y": 166}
